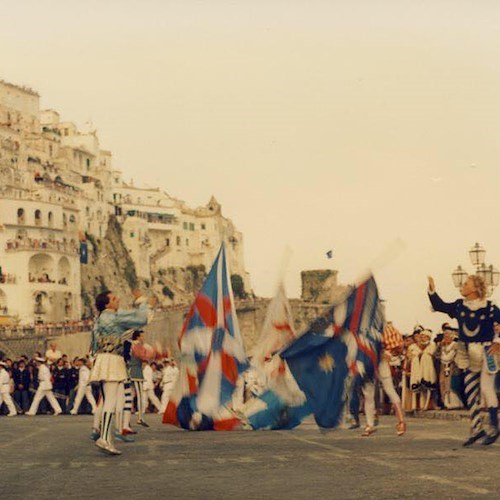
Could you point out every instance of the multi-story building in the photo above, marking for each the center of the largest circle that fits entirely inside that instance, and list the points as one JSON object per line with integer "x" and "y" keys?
{"x": 162, "y": 232}
{"x": 39, "y": 252}
{"x": 57, "y": 187}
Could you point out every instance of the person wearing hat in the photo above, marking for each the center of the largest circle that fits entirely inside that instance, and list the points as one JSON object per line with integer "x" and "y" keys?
{"x": 170, "y": 374}
{"x": 423, "y": 376}
{"x": 5, "y": 396}
{"x": 447, "y": 352}
{"x": 477, "y": 349}
{"x": 107, "y": 344}
{"x": 84, "y": 389}
{"x": 392, "y": 341}
{"x": 44, "y": 389}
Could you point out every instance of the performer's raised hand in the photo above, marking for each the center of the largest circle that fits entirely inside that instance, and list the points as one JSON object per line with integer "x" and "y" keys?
{"x": 494, "y": 349}
{"x": 432, "y": 284}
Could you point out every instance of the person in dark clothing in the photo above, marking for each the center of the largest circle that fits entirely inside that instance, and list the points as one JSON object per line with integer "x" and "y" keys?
{"x": 72, "y": 383}
{"x": 60, "y": 384}
{"x": 21, "y": 377}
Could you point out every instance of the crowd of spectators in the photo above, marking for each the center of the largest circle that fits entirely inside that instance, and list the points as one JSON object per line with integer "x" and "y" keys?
{"x": 425, "y": 371}
{"x": 65, "y": 374}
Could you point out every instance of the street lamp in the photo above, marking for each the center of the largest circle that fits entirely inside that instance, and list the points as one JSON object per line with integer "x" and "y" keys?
{"x": 477, "y": 253}
{"x": 490, "y": 274}
{"x": 459, "y": 277}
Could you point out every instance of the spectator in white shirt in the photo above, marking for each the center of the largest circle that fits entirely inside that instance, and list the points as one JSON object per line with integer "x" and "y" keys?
{"x": 5, "y": 387}
{"x": 44, "y": 389}
{"x": 84, "y": 388}
{"x": 148, "y": 387}
{"x": 170, "y": 374}
{"x": 52, "y": 354}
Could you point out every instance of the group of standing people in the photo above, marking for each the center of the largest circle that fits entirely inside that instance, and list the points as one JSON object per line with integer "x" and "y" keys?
{"x": 122, "y": 364}
{"x": 29, "y": 386}
{"x": 461, "y": 363}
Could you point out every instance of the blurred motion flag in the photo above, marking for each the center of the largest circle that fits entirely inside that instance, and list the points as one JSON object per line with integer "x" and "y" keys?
{"x": 212, "y": 354}
{"x": 345, "y": 342}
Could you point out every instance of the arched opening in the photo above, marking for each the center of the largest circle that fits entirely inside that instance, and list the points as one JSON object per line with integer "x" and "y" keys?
{"x": 41, "y": 306}
{"x": 38, "y": 217}
{"x": 20, "y": 216}
{"x": 64, "y": 271}
{"x": 3, "y": 303}
{"x": 68, "y": 305}
{"x": 41, "y": 269}
{"x": 51, "y": 219}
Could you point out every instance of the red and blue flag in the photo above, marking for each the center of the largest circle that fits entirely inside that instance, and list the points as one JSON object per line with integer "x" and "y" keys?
{"x": 212, "y": 354}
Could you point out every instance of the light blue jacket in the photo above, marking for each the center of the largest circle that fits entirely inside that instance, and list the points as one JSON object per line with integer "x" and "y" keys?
{"x": 110, "y": 326}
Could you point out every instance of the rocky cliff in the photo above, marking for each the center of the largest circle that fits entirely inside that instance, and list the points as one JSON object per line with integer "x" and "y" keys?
{"x": 109, "y": 268}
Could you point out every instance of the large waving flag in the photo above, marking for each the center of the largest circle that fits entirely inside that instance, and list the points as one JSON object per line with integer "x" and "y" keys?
{"x": 213, "y": 355}
{"x": 345, "y": 342}
{"x": 282, "y": 405}
{"x": 277, "y": 331}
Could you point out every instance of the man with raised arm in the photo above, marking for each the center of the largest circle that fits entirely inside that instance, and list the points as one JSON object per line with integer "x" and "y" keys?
{"x": 477, "y": 350}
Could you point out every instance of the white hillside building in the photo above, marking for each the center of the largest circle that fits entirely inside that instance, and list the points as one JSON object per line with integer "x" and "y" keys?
{"x": 163, "y": 232}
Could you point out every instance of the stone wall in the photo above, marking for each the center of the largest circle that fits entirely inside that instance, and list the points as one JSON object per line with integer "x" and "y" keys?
{"x": 164, "y": 329}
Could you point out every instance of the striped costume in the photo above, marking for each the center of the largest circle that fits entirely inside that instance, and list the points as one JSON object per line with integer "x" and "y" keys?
{"x": 476, "y": 319}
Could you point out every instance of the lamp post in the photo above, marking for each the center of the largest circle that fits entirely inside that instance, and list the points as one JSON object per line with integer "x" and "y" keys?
{"x": 490, "y": 274}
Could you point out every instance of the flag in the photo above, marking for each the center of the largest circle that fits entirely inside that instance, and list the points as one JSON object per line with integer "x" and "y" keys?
{"x": 277, "y": 331}
{"x": 270, "y": 411}
{"x": 282, "y": 405}
{"x": 212, "y": 354}
{"x": 344, "y": 343}
{"x": 84, "y": 255}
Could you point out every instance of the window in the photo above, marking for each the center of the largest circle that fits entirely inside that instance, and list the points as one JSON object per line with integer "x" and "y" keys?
{"x": 20, "y": 216}
{"x": 65, "y": 220}
{"x": 38, "y": 218}
{"x": 178, "y": 241}
{"x": 191, "y": 226}
{"x": 51, "y": 219}
{"x": 167, "y": 242}
{"x": 203, "y": 226}
{"x": 132, "y": 235}
{"x": 184, "y": 225}
{"x": 88, "y": 163}
{"x": 187, "y": 242}
{"x": 72, "y": 219}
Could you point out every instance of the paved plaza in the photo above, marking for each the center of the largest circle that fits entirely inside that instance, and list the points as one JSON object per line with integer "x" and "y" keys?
{"x": 53, "y": 457}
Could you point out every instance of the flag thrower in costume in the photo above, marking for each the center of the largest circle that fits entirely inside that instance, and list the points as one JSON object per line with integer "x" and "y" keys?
{"x": 346, "y": 341}
{"x": 212, "y": 353}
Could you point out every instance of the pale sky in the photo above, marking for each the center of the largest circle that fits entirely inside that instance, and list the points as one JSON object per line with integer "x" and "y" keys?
{"x": 320, "y": 125}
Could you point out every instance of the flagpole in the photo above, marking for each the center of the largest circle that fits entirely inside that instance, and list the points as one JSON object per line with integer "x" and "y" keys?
{"x": 285, "y": 262}
{"x": 389, "y": 254}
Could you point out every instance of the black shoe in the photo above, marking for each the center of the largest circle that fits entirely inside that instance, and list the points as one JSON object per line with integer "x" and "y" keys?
{"x": 354, "y": 425}
{"x": 144, "y": 424}
{"x": 491, "y": 438}
{"x": 474, "y": 438}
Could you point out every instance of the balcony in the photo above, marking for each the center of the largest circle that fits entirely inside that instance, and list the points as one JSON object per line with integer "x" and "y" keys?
{"x": 29, "y": 244}
{"x": 8, "y": 279}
